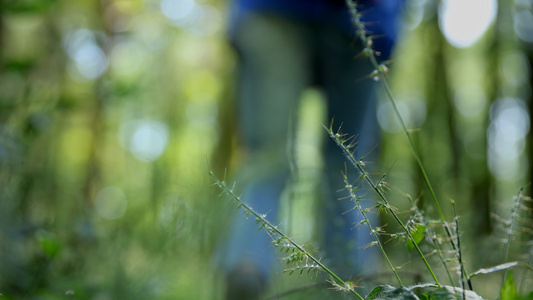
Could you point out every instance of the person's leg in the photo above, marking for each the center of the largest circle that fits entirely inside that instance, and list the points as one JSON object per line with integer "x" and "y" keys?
{"x": 351, "y": 103}
{"x": 273, "y": 70}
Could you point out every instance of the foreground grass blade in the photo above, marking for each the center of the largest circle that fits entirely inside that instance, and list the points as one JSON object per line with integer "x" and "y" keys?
{"x": 273, "y": 230}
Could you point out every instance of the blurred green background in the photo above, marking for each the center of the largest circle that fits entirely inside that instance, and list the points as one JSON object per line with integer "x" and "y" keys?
{"x": 113, "y": 112}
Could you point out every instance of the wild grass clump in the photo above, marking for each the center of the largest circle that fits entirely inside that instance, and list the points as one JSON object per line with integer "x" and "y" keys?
{"x": 442, "y": 237}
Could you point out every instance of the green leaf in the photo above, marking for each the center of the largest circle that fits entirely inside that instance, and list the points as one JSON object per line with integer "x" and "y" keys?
{"x": 450, "y": 293}
{"x": 49, "y": 244}
{"x": 418, "y": 235}
{"x": 28, "y": 6}
{"x": 499, "y": 268}
{"x": 387, "y": 292}
{"x": 508, "y": 291}
{"x": 439, "y": 294}
{"x": 377, "y": 290}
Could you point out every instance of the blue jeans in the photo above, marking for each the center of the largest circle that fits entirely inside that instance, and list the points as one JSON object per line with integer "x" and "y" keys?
{"x": 278, "y": 59}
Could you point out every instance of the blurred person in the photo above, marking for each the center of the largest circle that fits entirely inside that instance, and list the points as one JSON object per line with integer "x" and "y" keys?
{"x": 283, "y": 47}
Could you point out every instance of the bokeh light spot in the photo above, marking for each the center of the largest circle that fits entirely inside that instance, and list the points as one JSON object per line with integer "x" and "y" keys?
{"x": 146, "y": 140}
{"x": 509, "y": 126}
{"x": 202, "y": 20}
{"x": 463, "y": 22}
{"x": 177, "y": 10}
{"x": 111, "y": 203}
{"x": 523, "y": 24}
{"x": 82, "y": 48}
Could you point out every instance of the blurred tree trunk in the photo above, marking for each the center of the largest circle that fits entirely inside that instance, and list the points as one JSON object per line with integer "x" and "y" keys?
{"x": 529, "y": 137}
{"x": 1, "y": 40}
{"x": 96, "y": 112}
{"x": 93, "y": 165}
{"x": 483, "y": 183}
{"x": 440, "y": 127}
{"x": 222, "y": 156}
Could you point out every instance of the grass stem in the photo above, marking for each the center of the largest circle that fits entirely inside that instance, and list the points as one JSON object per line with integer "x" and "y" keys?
{"x": 272, "y": 229}
{"x": 341, "y": 142}
{"x": 373, "y": 231}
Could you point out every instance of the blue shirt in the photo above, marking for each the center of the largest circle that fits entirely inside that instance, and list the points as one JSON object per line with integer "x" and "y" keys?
{"x": 381, "y": 16}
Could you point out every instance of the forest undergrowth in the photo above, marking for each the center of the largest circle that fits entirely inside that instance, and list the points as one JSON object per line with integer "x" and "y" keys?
{"x": 444, "y": 267}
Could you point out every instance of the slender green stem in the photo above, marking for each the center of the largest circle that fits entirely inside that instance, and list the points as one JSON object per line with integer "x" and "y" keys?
{"x": 379, "y": 73}
{"x": 411, "y": 143}
{"x": 359, "y": 166}
{"x": 429, "y": 232}
{"x": 446, "y": 226}
{"x": 372, "y": 230}
{"x": 510, "y": 224}
{"x": 272, "y": 229}
{"x": 441, "y": 257}
{"x": 459, "y": 252}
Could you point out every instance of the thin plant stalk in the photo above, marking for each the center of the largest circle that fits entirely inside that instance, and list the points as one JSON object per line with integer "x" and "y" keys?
{"x": 509, "y": 226}
{"x": 433, "y": 239}
{"x": 373, "y": 231}
{"x": 272, "y": 229}
{"x": 379, "y": 74}
{"x": 459, "y": 252}
{"x": 338, "y": 138}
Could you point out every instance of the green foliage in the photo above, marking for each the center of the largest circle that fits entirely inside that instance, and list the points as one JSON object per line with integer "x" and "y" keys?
{"x": 508, "y": 291}
{"x": 497, "y": 268}
{"x": 62, "y": 142}
{"x": 296, "y": 253}
{"x": 81, "y": 215}
{"x": 418, "y": 234}
{"x": 413, "y": 231}
{"x": 26, "y": 6}
{"x": 49, "y": 244}
{"x": 386, "y": 292}
{"x": 450, "y": 293}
